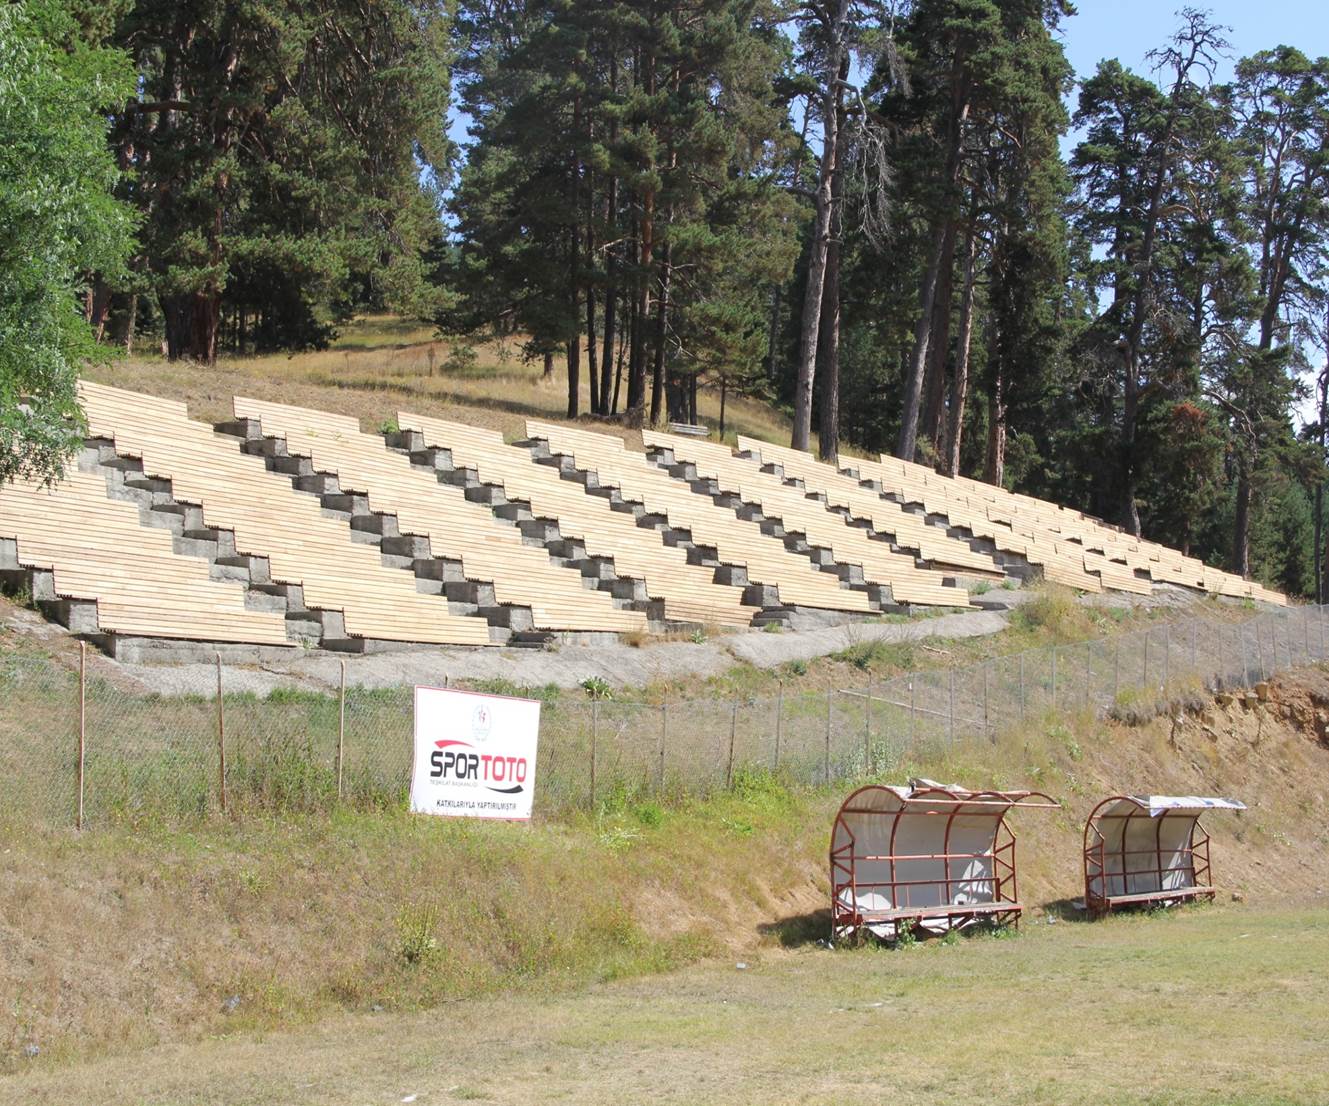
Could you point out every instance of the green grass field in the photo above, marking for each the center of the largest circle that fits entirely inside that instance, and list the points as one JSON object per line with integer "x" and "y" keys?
{"x": 1222, "y": 1005}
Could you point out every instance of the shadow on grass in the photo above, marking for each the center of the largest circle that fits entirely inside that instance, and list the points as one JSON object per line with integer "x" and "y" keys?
{"x": 799, "y": 929}
{"x": 1065, "y": 910}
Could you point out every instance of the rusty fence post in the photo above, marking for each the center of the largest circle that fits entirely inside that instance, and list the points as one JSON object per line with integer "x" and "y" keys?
{"x": 595, "y": 736}
{"x": 221, "y": 737}
{"x": 1022, "y": 688}
{"x": 341, "y": 729}
{"x": 826, "y": 755}
{"x": 733, "y": 732}
{"x": 660, "y": 753}
{"x": 82, "y": 726}
{"x": 987, "y": 725}
{"x": 867, "y": 732}
{"x": 950, "y": 711}
{"x": 1088, "y": 670}
{"x": 1054, "y": 677}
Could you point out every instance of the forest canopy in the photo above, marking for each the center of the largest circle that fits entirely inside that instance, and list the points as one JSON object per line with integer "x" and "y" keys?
{"x": 905, "y": 223}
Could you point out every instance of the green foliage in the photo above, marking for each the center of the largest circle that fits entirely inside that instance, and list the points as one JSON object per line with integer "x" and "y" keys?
{"x": 290, "y": 158}
{"x": 58, "y": 223}
{"x": 597, "y": 688}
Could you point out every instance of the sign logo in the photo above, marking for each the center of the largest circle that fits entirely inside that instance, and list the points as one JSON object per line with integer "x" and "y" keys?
{"x": 482, "y": 722}
{"x": 474, "y": 754}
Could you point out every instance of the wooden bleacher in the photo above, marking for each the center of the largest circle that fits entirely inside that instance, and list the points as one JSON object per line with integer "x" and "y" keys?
{"x": 798, "y": 514}
{"x": 843, "y": 492}
{"x": 98, "y": 550}
{"x": 489, "y": 549}
{"x": 737, "y": 541}
{"x": 689, "y": 592}
{"x": 271, "y": 519}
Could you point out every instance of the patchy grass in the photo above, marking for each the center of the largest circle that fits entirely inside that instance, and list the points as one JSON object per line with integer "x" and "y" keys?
{"x": 142, "y": 934}
{"x": 1202, "y": 1006}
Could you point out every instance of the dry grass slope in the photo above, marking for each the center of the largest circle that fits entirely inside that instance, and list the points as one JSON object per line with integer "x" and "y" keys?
{"x": 136, "y": 937}
{"x": 381, "y": 361}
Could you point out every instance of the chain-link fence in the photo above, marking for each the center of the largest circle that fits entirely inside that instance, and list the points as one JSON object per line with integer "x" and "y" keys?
{"x": 78, "y": 749}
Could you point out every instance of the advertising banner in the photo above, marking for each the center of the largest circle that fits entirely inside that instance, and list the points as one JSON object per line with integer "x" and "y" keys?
{"x": 474, "y": 754}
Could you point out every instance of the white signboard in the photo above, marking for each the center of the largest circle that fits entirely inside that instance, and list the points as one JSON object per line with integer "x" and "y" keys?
{"x": 474, "y": 754}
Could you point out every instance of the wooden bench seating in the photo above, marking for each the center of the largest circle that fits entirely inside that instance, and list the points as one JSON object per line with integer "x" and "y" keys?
{"x": 909, "y": 530}
{"x": 737, "y": 542}
{"x": 1109, "y": 901}
{"x": 489, "y": 549}
{"x": 271, "y": 519}
{"x": 945, "y": 910}
{"x": 689, "y": 592}
{"x": 849, "y": 545}
{"x": 98, "y": 550}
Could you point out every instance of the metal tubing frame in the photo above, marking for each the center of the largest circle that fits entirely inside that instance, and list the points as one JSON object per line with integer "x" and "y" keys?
{"x": 1004, "y": 908}
{"x": 1100, "y": 900}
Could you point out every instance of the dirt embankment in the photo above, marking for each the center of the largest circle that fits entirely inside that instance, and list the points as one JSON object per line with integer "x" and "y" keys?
{"x": 128, "y": 937}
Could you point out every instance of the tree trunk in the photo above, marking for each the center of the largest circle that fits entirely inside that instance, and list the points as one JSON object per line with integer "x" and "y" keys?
{"x": 960, "y": 389}
{"x": 592, "y": 369}
{"x": 724, "y": 393}
{"x": 907, "y": 443}
{"x": 661, "y": 328}
{"x": 130, "y": 322}
{"x": 996, "y": 460}
{"x": 548, "y": 365}
{"x": 939, "y": 345}
{"x": 607, "y": 356}
{"x": 1241, "y": 527}
{"x": 828, "y": 353}
{"x": 574, "y": 376}
{"x": 618, "y": 374}
{"x": 823, "y": 222}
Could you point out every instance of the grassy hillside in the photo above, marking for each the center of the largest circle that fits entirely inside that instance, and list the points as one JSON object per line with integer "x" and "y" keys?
{"x": 126, "y": 938}
{"x": 382, "y": 364}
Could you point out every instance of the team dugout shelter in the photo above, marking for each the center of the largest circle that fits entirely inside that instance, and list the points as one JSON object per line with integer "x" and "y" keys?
{"x": 925, "y": 856}
{"x": 1148, "y": 850}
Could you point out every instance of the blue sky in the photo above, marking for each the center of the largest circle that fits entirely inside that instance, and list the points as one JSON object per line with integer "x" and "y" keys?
{"x": 1129, "y": 29}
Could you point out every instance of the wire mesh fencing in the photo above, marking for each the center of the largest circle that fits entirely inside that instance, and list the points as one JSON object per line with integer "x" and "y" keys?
{"x": 81, "y": 749}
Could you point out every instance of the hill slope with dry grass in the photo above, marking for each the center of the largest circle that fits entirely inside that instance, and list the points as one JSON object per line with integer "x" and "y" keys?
{"x": 381, "y": 364}
{"x": 148, "y": 933}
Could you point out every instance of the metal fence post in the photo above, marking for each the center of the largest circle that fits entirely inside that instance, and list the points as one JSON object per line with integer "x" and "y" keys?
{"x": 1240, "y": 633}
{"x": 913, "y": 714}
{"x": 1259, "y": 651}
{"x": 1088, "y": 669}
{"x": 221, "y": 737}
{"x": 826, "y": 755}
{"x": 1022, "y": 688}
{"x": 733, "y": 731}
{"x": 595, "y": 737}
{"x": 660, "y": 753}
{"x": 1306, "y": 632}
{"x": 341, "y": 728}
{"x": 987, "y": 728}
{"x": 779, "y": 721}
{"x": 1054, "y": 677}
{"x": 82, "y": 726}
{"x": 867, "y": 732}
{"x": 950, "y": 713}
